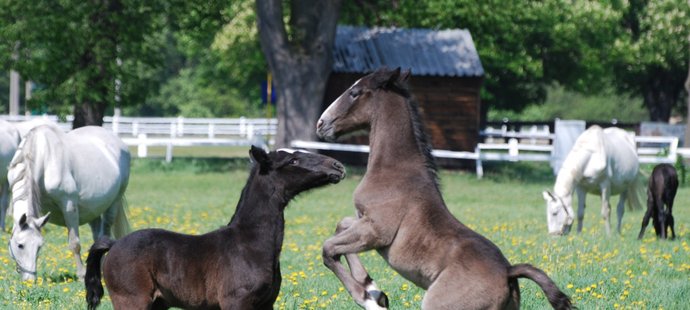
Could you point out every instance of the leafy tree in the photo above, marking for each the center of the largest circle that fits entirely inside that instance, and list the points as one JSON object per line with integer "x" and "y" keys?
{"x": 87, "y": 54}
{"x": 651, "y": 59}
{"x": 524, "y": 45}
{"x": 299, "y": 57}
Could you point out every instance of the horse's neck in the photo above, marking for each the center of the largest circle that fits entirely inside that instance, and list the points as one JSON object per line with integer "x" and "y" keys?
{"x": 22, "y": 187}
{"x": 571, "y": 172}
{"x": 392, "y": 140}
{"x": 259, "y": 213}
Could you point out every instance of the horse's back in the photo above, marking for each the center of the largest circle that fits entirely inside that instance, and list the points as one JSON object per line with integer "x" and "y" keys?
{"x": 9, "y": 141}
{"x": 100, "y": 162}
{"x": 621, "y": 151}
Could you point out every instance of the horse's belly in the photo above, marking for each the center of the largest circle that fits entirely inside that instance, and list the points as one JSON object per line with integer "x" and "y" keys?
{"x": 407, "y": 269}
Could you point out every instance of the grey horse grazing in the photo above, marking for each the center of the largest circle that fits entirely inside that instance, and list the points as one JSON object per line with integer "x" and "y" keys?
{"x": 80, "y": 177}
{"x": 402, "y": 215}
{"x": 602, "y": 162}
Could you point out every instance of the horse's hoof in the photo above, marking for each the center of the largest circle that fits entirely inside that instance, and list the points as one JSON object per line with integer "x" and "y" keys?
{"x": 376, "y": 300}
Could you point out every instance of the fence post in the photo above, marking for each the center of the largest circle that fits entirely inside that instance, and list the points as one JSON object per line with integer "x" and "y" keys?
{"x": 513, "y": 148}
{"x": 115, "y": 126}
{"x": 478, "y": 164}
{"x": 180, "y": 126}
{"x": 211, "y": 130}
{"x": 142, "y": 148}
{"x": 135, "y": 128}
{"x": 243, "y": 126}
{"x": 168, "y": 152}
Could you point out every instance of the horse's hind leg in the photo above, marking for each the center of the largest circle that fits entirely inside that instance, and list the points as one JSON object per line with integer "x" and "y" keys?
{"x": 669, "y": 222}
{"x": 606, "y": 207}
{"x": 647, "y": 214}
{"x": 620, "y": 210}
{"x": 96, "y": 228}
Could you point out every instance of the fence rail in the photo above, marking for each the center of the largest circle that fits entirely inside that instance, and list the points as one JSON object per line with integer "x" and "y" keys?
{"x": 171, "y": 132}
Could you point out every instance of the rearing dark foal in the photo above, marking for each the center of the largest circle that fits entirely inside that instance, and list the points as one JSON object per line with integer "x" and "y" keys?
{"x": 235, "y": 267}
{"x": 401, "y": 214}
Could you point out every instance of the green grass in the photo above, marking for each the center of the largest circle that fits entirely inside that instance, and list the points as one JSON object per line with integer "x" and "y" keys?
{"x": 197, "y": 195}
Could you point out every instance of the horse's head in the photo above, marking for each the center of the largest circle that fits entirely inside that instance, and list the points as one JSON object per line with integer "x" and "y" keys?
{"x": 354, "y": 108}
{"x": 25, "y": 243}
{"x": 559, "y": 213}
{"x": 296, "y": 171}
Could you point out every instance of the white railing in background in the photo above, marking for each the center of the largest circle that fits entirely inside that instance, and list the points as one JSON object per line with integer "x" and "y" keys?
{"x": 170, "y": 132}
{"x": 524, "y": 147}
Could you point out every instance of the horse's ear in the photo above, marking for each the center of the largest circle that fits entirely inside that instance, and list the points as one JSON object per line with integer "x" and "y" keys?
{"x": 384, "y": 77}
{"x": 548, "y": 196}
{"x": 42, "y": 221}
{"x": 260, "y": 157}
{"x": 405, "y": 75}
{"x": 22, "y": 222}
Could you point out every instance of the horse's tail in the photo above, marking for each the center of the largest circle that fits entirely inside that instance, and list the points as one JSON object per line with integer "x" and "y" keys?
{"x": 637, "y": 191}
{"x": 92, "y": 279}
{"x": 557, "y": 298}
{"x": 121, "y": 225}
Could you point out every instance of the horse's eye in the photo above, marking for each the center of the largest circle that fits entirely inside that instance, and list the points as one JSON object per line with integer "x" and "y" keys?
{"x": 294, "y": 162}
{"x": 354, "y": 94}
{"x": 20, "y": 246}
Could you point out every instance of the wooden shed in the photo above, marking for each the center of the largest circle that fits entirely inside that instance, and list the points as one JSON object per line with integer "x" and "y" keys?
{"x": 446, "y": 76}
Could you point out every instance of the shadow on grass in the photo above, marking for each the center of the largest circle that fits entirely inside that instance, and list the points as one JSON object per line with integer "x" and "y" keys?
{"x": 62, "y": 277}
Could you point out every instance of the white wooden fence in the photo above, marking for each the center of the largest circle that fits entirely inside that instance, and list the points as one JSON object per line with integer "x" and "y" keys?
{"x": 528, "y": 145}
{"x": 170, "y": 132}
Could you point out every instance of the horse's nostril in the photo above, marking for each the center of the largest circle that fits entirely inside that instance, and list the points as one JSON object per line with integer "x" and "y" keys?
{"x": 319, "y": 123}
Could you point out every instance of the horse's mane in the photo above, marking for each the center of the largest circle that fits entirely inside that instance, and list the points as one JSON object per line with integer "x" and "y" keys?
{"x": 420, "y": 134}
{"x": 23, "y": 159}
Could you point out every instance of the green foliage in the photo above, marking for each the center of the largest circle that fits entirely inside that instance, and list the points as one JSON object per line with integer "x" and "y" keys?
{"x": 651, "y": 57}
{"x": 524, "y": 45}
{"x": 565, "y": 104}
{"x": 77, "y": 50}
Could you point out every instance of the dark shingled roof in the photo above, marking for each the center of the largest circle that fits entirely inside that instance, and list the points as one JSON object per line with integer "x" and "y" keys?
{"x": 448, "y": 52}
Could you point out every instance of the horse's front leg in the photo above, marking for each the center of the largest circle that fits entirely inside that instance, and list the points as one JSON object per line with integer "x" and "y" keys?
{"x": 4, "y": 202}
{"x": 354, "y": 236}
{"x": 605, "y": 207}
{"x": 71, "y": 214}
{"x": 581, "y": 197}
{"x": 357, "y": 270}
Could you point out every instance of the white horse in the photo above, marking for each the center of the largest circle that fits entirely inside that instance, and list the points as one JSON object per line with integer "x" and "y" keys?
{"x": 602, "y": 162}
{"x": 81, "y": 175}
{"x": 9, "y": 140}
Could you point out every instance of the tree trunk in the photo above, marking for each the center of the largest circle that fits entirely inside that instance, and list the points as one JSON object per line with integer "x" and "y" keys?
{"x": 300, "y": 65}
{"x": 660, "y": 93}
{"x": 87, "y": 113}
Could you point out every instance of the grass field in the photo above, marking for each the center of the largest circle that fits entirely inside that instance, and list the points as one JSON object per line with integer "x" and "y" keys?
{"x": 196, "y": 196}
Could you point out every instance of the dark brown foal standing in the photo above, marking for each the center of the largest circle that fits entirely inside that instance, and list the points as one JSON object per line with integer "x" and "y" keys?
{"x": 401, "y": 214}
{"x": 235, "y": 267}
{"x": 661, "y": 191}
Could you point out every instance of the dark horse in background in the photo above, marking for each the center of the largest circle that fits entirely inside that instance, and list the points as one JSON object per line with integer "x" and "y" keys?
{"x": 402, "y": 215}
{"x": 235, "y": 267}
{"x": 661, "y": 191}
